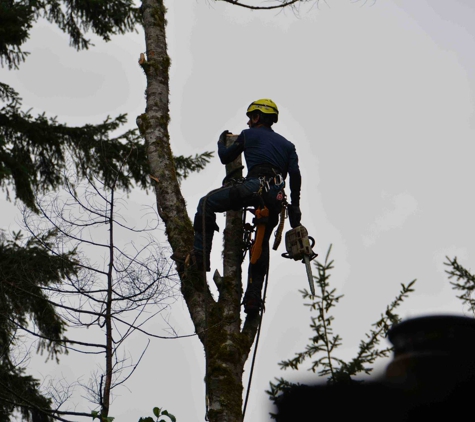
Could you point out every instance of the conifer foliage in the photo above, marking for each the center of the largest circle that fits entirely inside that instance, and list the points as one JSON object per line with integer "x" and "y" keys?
{"x": 324, "y": 342}
{"x": 26, "y": 268}
{"x": 462, "y": 281}
{"x": 75, "y": 18}
{"x": 36, "y": 151}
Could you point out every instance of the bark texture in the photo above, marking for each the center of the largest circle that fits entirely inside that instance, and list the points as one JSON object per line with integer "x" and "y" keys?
{"x": 227, "y": 346}
{"x": 217, "y": 322}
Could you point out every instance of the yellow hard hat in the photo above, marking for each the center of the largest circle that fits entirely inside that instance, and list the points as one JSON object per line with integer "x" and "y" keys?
{"x": 266, "y": 106}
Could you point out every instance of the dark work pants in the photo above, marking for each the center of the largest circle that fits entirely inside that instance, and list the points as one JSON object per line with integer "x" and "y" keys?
{"x": 225, "y": 199}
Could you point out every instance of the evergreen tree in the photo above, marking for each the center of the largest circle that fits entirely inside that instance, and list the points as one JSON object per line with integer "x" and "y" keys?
{"x": 35, "y": 151}
{"x": 324, "y": 343}
{"x": 26, "y": 267}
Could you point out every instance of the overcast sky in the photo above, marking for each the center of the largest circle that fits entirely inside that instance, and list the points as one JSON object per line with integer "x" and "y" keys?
{"x": 378, "y": 97}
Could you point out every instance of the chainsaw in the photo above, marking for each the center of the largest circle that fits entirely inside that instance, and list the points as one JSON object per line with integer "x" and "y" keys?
{"x": 299, "y": 247}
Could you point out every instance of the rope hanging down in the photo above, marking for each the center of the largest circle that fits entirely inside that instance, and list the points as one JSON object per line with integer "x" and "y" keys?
{"x": 255, "y": 346}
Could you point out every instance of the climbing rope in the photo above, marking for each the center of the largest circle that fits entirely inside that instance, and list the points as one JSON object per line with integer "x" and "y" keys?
{"x": 255, "y": 345}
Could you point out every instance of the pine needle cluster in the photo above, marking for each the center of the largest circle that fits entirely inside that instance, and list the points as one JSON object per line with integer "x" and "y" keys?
{"x": 464, "y": 281}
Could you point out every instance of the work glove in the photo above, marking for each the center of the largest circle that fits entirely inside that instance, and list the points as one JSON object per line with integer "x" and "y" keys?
{"x": 222, "y": 137}
{"x": 295, "y": 215}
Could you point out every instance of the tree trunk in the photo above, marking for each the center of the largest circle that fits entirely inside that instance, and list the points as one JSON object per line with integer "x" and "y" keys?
{"x": 217, "y": 323}
{"x": 227, "y": 347}
{"x": 106, "y": 391}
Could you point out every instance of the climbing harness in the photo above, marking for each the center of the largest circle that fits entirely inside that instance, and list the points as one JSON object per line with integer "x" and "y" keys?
{"x": 261, "y": 218}
{"x": 299, "y": 247}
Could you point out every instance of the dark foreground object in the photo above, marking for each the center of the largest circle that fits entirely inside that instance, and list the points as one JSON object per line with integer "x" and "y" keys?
{"x": 431, "y": 378}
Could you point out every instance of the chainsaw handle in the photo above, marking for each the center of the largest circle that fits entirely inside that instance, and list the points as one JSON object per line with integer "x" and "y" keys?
{"x": 312, "y": 240}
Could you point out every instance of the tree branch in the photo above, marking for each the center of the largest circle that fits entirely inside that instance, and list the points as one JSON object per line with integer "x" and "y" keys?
{"x": 246, "y": 6}
{"x": 65, "y": 340}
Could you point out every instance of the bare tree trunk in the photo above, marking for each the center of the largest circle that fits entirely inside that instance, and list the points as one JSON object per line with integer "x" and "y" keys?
{"x": 153, "y": 125}
{"x": 106, "y": 392}
{"x": 217, "y": 323}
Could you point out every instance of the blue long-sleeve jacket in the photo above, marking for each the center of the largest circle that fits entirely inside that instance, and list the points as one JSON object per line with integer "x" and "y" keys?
{"x": 262, "y": 145}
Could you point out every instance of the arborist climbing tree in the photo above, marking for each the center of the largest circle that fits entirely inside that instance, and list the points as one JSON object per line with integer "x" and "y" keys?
{"x": 269, "y": 159}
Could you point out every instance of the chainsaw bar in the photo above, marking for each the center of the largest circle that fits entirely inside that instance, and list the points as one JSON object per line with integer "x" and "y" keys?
{"x": 306, "y": 259}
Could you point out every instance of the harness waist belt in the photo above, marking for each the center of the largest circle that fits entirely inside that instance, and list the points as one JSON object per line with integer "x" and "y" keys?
{"x": 265, "y": 170}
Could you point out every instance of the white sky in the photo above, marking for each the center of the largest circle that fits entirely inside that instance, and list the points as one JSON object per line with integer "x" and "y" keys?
{"x": 378, "y": 98}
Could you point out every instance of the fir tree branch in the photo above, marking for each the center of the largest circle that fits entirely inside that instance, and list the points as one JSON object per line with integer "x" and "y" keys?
{"x": 464, "y": 281}
{"x": 324, "y": 343}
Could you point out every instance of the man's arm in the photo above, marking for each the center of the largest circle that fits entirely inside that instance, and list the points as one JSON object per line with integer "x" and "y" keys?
{"x": 295, "y": 183}
{"x": 295, "y": 179}
{"x": 229, "y": 154}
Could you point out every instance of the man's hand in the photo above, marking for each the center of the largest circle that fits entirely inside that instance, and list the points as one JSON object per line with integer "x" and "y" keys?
{"x": 222, "y": 137}
{"x": 295, "y": 215}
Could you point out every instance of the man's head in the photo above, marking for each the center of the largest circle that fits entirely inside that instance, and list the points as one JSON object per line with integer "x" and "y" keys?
{"x": 262, "y": 112}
